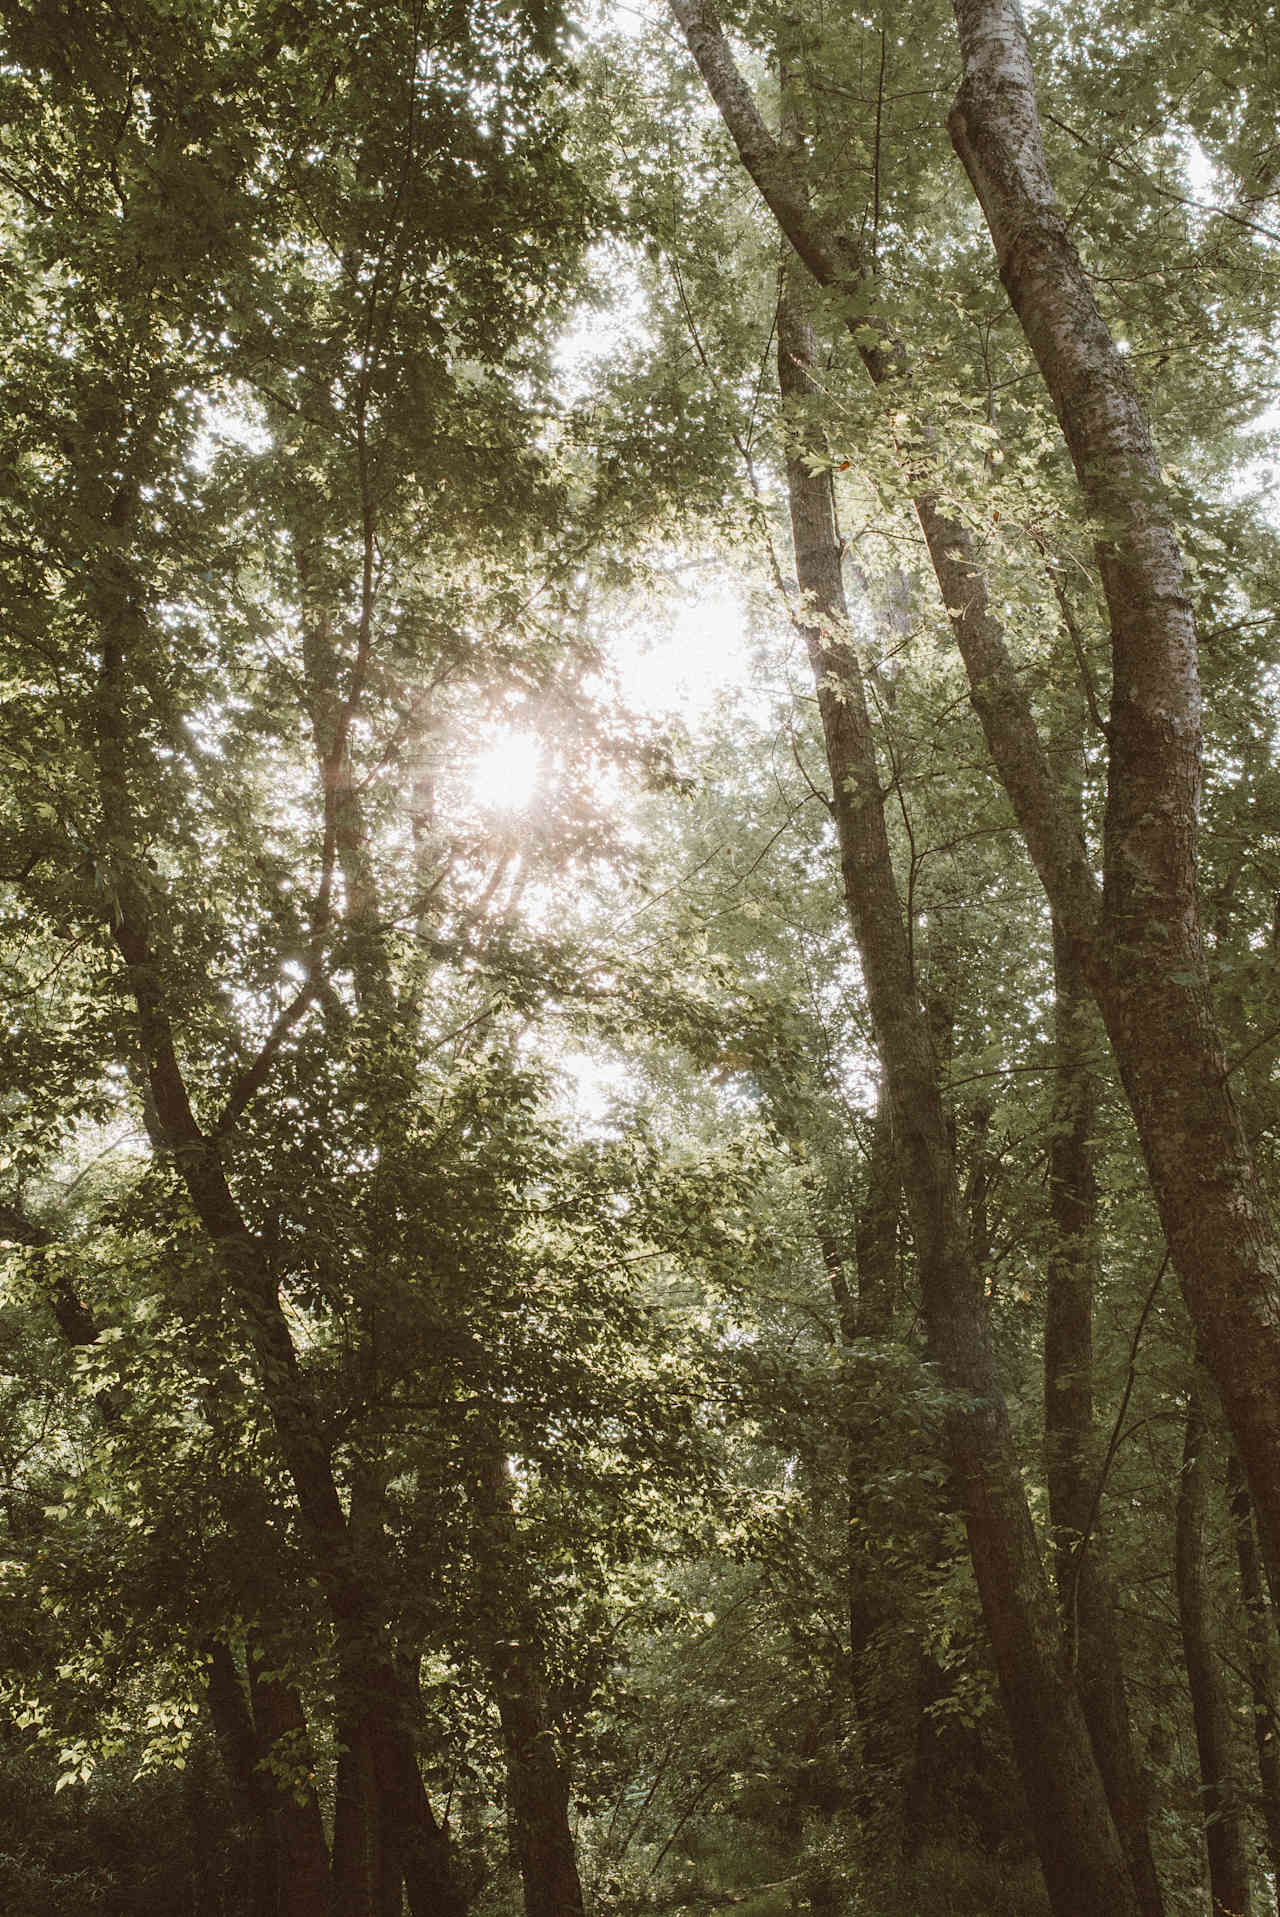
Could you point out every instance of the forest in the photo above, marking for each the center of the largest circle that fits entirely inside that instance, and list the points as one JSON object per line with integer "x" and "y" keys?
{"x": 640, "y": 958}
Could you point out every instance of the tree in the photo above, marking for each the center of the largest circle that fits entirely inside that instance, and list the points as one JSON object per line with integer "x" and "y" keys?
{"x": 575, "y": 1479}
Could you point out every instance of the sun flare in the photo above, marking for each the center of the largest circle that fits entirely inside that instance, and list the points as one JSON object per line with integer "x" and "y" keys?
{"x": 504, "y": 776}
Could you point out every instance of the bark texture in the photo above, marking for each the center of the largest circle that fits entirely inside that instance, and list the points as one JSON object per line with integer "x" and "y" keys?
{"x": 293, "y": 1812}
{"x": 1053, "y": 840}
{"x": 1224, "y": 1831}
{"x": 885, "y": 1664}
{"x": 1147, "y": 963}
{"x": 290, "y": 1859}
{"x": 1084, "y": 1864}
{"x": 238, "y": 1748}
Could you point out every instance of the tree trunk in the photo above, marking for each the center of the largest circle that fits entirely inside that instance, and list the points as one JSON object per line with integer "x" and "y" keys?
{"x": 238, "y": 1747}
{"x": 367, "y": 1875}
{"x": 364, "y": 1653}
{"x": 293, "y": 1810}
{"x": 1084, "y": 1864}
{"x": 355, "y": 1824}
{"x": 537, "y": 1771}
{"x": 885, "y": 1707}
{"x": 1087, "y": 1595}
{"x": 876, "y": 1237}
{"x": 1264, "y": 1659}
{"x": 289, "y": 1873}
{"x": 1140, "y": 944}
{"x": 1146, "y": 964}
{"x": 1223, "y": 1821}
{"x": 539, "y": 1786}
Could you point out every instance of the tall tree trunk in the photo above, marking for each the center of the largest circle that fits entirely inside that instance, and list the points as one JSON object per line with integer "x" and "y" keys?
{"x": 885, "y": 1708}
{"x": 1088, "y": 1598}
{"x": 539, "y": 1785}
{"x": 238, "y": 1747}
{"x": 876, "y": 1234}
{"x": 1264, "y": 1659}
{"x": 1084, "y": 1865}
{"x": 359, "y": 1873}
{"x": 1140, "y": 943}
{"x": 368, "y": 1870}
{"x": 361, "y": 1641}
{"x": 537, "y": 1770}
{"x": 1146, "y": 962}
{"x": 887, "y": 1659}
{"x": 293, "y": 1809}
{"x": 290, "y": 1863}
{"x": 1225, "y": 1837}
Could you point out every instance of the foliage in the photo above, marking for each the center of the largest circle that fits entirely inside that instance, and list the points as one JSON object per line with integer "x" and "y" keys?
{"x": 372, "y": 379}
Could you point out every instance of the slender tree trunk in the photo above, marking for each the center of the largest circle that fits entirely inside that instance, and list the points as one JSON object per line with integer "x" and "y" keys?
{"x": 884, "y": 1707}
{"x": 361, "y": 1640}
{"x": 1140, "y": 944}
{"x": 1087, "y": 1595}
{"x": 371, "y": 1872}
{"x": 537, "y": 1770}
{"x": 1225, "y": 1837}
{"x": 1084, "y": 1864}
{"x": 887, "y": 1661}
{"x": 876, "y": 1236}
{"x": 1264, "y": 1658}
{"x": 1147, "y": 964}
{"x": 238, "y": 1747}
{"x": 539, "y": 1786}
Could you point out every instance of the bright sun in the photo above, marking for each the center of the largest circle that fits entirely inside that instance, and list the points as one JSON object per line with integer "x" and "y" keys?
{"x": 504, "y": 775}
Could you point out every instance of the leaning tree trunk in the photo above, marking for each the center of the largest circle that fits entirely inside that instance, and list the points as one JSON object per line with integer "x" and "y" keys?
{"x": 1084, "y": 1864}
{"x": 1141, "y": 943}
{"x": 1225, "y": 1838}
{"x": 1146, "y": 962}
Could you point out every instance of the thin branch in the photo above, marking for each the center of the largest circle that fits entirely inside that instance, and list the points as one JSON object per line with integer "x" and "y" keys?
{"x": 875, "y": 169}
{"x": 254, "y": 1077}
{"x": 1117, "y": 1431}
{"x": 1267, "y": 1037}
{"x": 803, "y": 770}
